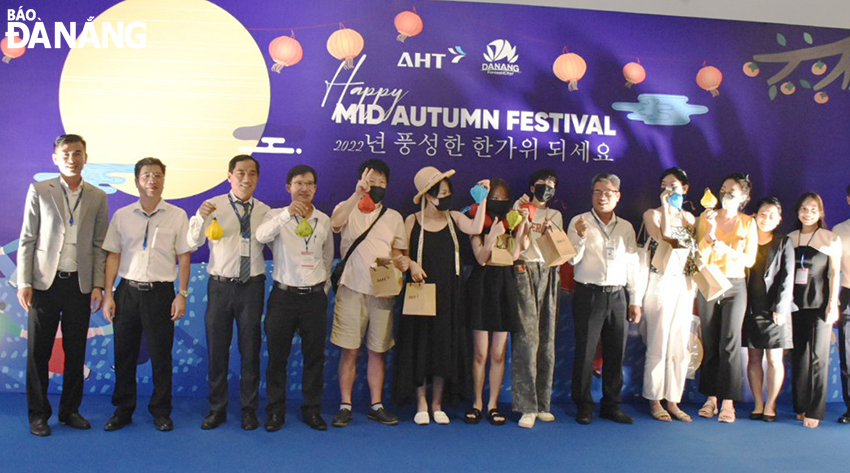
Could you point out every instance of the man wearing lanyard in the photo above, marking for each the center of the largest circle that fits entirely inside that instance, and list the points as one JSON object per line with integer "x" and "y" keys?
{"x": 60, "y": 281}
{"x": 843, "y": 232}
{"x": 606, "y": 266}
{"x": 144, "y": 240}
{"x": 236, "y": 288}
{"x": 303, "y": 250}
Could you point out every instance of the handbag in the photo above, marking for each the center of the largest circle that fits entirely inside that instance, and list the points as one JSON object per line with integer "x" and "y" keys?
{"x": 336, "y": 274}
{"x": 555, "y": 246}
{"x": 711, "y": 282}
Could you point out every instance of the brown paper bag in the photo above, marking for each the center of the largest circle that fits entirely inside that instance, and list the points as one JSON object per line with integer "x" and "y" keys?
{"x": 420, "y": 299}
{"x": 386, "y": 278}
{"x": 711, "y": 282}
{"x": 669, "y": 259}
{"x": 555, "y": 247}
{"x": 501, "y": 254}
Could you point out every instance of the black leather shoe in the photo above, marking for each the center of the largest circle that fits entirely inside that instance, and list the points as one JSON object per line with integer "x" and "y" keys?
{"x": 249, "y": 420}
{"x": 844, "y": 419}
{"x": 116, "y": 422}
{"x": 584, "y": 416}
{"x": 274, "y": 422}
{"x": 768, "y": 418}
{"x": 39, "y": 428}
{"x": 163, "y": 423}
{"x": 315, "y": 421}
{"x": 342, "y": 418}
{"x": 757, "y": 416}
{"x": 383, "y": 416}
{"x": 615, "y": 415}
{"x": 76, "y": 421}
{"x": 213, "y": 420}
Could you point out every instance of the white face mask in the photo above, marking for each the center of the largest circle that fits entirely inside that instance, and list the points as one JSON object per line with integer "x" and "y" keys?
{"x": 729, "y": 202}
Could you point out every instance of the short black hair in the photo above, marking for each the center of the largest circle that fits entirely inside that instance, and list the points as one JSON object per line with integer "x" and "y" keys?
{"x": 300, "y": 169}
{"x": 774, "y": 201}
{"x": 62, "y": 139}
{"x": 434, "y": 191}
{"x": 498, "y": 183}
{"x": 242, "y": 157}
{"x": 148, "y": 162}
{"x": 676, "y": 172}
{"x": 544, "y": 174}
{"x": 377, "y": 165}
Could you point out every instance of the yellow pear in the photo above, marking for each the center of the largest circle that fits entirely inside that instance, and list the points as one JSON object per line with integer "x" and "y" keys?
{"x": 214, "y": 231}
{"x": 708, "y": 200}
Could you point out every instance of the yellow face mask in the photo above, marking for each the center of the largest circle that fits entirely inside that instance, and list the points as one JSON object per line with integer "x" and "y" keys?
{"x": 214, "y": 231}
{"x": 304, "y": 229}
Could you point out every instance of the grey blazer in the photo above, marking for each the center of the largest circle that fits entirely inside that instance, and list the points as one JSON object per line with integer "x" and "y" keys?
{"x": 43, "y": 234}
{"x": 779, "y": 274}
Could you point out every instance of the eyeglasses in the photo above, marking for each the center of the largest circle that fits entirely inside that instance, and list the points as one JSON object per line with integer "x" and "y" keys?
{"x": 152, "y": 176}
{"x": 303, "y": 184}
{"x": 608, "y": 193}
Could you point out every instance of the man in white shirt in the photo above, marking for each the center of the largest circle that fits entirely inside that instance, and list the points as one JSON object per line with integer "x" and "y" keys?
{"x": 144, "y": 240}
{"x": 60, "y": 279}
{"x": 357, "y": 312}
{"x": 236, "y": 288}
{"x": 843, "y": 232}
{"x": 607, "y": 292}
{"x": 303, "y": 249}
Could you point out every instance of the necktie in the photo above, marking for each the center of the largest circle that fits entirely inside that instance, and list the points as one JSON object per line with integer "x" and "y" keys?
{"x": 245, "y": 228}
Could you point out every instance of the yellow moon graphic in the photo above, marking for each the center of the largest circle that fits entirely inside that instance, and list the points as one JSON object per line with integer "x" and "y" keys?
{"x": 199, "y": 77}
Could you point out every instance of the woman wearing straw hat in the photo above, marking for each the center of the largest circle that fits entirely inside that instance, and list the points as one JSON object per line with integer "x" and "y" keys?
{"x": 430, "y": 350}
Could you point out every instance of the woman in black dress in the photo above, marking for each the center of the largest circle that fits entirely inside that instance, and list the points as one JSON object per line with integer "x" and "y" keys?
{"x": 770, "y": 301}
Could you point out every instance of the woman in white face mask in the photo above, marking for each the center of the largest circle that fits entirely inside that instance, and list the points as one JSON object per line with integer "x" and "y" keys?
{"x": 729, "y": 240}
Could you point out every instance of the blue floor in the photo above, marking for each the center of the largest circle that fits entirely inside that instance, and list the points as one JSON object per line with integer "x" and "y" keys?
{"x": 646, "y": 446}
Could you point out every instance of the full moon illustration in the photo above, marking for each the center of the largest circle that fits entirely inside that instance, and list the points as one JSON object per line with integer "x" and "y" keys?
{"x": 199, "y": 77}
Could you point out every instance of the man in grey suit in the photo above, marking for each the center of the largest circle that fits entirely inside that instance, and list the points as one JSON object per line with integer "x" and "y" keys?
{"x": 60, "y": 278}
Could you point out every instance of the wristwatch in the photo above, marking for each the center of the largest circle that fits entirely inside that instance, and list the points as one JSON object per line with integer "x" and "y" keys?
{"x": 184, "y": 293}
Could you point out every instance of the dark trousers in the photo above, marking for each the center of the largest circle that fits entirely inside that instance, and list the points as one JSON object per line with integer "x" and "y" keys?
{"x": 599, "y": 314}
{"x": 243, "y": 303}
{"x": 61, "y": 303}
{"x": 844, "y": 343}
{"x": 721, "y": 373}
{"x": 287, "y": 314}
{"x": 147, "y": 312}
{"x": 810, "y": 362}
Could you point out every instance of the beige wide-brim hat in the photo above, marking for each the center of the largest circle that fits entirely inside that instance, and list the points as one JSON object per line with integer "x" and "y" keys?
{"x": 426, "y": 178}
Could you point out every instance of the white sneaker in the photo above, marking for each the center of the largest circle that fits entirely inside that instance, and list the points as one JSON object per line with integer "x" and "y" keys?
{"x": 422, "y": 418}
{"x": 527, "y": 420}
{"x": 545, "y": 417}
{"x": 441, "y": 417}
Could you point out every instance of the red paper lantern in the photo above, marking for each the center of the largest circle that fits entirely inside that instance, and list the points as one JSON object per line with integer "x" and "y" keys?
{"x": 9, "y": 52}
{"x": 634, "y": 74}
{"x": 709, "y": 78}
{"x": 408, "y": 24}
{"x": 345, "y": 44}
{"x": 570, "y": 67}
{"x": 286, "y": 51}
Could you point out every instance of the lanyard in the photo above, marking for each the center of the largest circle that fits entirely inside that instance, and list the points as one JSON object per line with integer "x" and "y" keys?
{"x": 244, "y": 220}
{"x": 68, "y": 202}
{"x": 602, "y": 227}
{"x": 802, "y": 253}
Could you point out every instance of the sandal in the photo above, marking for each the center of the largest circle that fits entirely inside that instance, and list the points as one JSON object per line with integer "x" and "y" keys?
{"x": 662, "y": 415}
{"x": 440, "y": 417}
{"x": 495, "y": 417}
{"x": 727, "y": 415}
{"x": 422, "y": 418}
{"x": 473, "y": 416}
{"x": 708, "y": 410}
{"x": 681, "y": 415}
{"x": 810, "y": 423}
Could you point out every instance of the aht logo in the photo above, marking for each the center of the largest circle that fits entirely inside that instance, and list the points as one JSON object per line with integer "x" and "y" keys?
{"x": 429, "y": 60}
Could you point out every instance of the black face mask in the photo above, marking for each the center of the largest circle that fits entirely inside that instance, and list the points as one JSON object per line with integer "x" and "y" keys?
{"x": 498, "y": 208}
{"x": 445, "y": 203}
{"x": 377, "y": 193}
{"x": 543, "y": 192}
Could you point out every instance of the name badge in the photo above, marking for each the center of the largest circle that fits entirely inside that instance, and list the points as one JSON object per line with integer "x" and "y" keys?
{"x": 245, "y": 247}
{"x": 144, "y": 259}
{"x": 71, "y": 234}
{"x": 801, "y": 276}
{"x": 308, "y": 259}
{"x": 610, "y": 252}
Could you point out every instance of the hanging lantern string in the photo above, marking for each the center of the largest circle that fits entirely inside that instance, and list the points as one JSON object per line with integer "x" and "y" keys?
{"x": 381, "y": 14}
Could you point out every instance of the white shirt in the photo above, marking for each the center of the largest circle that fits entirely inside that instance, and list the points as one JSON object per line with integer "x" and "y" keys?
{"x": 298, "y": 261}
{"x": 611, "y": 261}
{"x": 843, "y": 232}
{"x": 68, "y": 253}
{"x": 387, "y": 234}
{"x": 224, "y": 252}
{"x": 166, "y": 228}
{"x": 532, "y": 253}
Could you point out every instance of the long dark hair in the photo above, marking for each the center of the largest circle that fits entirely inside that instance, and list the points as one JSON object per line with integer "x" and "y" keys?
{"x": 814, "y": 196}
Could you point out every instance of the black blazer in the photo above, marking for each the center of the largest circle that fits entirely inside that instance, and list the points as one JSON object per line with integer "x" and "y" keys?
{"x": 779, "y": 274}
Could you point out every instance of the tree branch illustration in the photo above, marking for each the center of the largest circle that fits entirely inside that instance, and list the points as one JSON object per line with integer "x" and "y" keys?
{"x": 792, "y": 59}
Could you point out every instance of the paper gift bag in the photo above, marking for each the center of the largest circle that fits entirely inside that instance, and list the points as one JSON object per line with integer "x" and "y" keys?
{"x": 501, "y": 254}
{"x": 711, "y": 282}
{"x": 670, "y": 260}
{"x": 555, "y": 247}
{"x": 386, "y": 278}
{"x": 420, "y": 299}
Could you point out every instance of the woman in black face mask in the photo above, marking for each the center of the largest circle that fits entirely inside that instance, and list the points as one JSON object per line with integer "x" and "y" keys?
{"x": 430, "y": 350}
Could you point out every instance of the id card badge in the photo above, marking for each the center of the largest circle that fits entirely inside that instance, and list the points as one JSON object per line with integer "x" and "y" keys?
{"x": 71, "y": 234}
{"x": 801, "y": 276}
{"x": 244, "y": 247}
{"x": 144, "y": 259}
{"x": 308, "y": 259}
{"x": 610, "y": 252}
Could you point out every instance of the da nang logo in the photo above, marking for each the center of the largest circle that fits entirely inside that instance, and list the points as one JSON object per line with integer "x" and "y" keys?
{"x": 501, "y": 57}
{"x": 94, "y": 34}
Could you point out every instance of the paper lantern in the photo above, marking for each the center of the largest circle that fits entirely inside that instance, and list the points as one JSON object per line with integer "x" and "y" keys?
{"x": 9, "y": 52}
{"x": 345, "y": 44}
{"x": 634, "y": 74}
{"x": 570, "y": 67}
{"x": 709, "y": 78}
{"x": 286, "y": 51}
{"x": 408, "y": 24}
